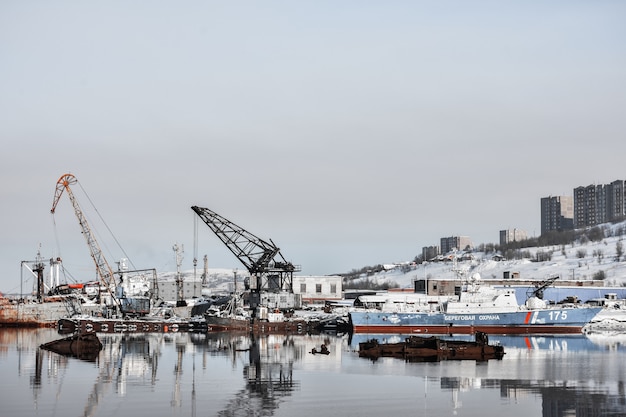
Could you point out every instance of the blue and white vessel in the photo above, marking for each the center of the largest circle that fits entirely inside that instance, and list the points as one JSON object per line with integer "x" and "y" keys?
{"x": 478, "y": 307}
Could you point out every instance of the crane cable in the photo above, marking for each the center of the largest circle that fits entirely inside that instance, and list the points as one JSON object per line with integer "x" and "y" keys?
{"x": 195, "y": 246}
{"x": 56, "y": 236}
{"x": 110, "y": 291}
{"x": 106, "y": 225}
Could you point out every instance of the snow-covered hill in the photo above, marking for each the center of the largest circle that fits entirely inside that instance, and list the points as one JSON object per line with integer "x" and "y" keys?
{"x": 578, "y": 261}
{"x": 218, "y": 280}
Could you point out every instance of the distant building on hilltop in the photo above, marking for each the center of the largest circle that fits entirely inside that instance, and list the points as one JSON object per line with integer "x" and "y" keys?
{"x": 616, "y": 200}
{"x": 597, "y": 204}
{"x": 448, "y": 244}
{"x": 589, "y": 205}
{"x": 430, "y": 252}
{"x": 512, "y": 235}
{"x": 557, "y": 213}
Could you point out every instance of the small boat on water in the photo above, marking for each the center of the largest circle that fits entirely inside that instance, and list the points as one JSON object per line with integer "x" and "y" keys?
{"x": 323, "y": 350}
{"x": 478, "y": 307}
{"x": 84, "y": 346}
{"x": 433, "y": 349}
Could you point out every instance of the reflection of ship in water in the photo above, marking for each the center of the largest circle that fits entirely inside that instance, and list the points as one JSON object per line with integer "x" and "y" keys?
{"x": 582, "y": 342}
{"x": 559, "y": 398}
{"x": 133, "y": 359}
{"x": 268, "y": 375}
{"x": 585, "y": 382}
{"x": 123, "y": 359}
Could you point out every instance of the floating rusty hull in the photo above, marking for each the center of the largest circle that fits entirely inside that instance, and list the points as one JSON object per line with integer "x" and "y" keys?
{"x": 432, "y": 349}
{"x": 84, "y": 346}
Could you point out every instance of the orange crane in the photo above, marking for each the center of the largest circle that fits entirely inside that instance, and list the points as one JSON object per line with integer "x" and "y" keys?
{"x": 105, "y": 273}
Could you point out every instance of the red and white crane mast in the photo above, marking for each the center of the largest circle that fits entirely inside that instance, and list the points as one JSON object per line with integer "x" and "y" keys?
{"x": 105, "y": 273}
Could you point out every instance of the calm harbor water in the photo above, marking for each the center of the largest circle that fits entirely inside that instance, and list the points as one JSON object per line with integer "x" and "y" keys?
{"x": 183, "y": 374}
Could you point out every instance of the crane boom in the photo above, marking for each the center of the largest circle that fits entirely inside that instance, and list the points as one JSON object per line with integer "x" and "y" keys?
{"x": 256, "y": 254}
{"x": 541, "y": 286}
{"x": 105, "y": 273}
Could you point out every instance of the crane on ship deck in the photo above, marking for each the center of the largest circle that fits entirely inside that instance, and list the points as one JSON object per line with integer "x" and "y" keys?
{"x": 540, "y": 286}
{"x": 267, "y": 273}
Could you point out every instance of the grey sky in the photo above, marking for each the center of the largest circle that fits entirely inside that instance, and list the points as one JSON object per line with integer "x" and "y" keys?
{"x": 351, "y": 133}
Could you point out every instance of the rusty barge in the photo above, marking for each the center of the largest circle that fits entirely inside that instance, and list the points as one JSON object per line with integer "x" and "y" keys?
{"x": 433, "y": 349}
{"x": 258, "y": 326}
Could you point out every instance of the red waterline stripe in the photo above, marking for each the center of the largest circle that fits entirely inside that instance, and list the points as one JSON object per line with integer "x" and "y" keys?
{"x": 527, "y": 319}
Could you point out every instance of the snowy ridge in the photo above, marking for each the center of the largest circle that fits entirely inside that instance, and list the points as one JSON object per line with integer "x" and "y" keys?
{"x": 565, "y": 261}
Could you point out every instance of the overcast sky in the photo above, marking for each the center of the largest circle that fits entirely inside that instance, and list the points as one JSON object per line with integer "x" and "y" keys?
{"x": 350, "y": 133}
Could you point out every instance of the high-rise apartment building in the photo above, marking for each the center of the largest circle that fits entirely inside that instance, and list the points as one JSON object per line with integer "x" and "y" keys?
{"x": 557, "y": 213}
{"x": 430, "y": 252}
{"x": 591, "y": 205}
{"x": 512, "y": 235}
{"x": 597, "y": 204}
{"x": 615, "y": 200}
{"x": 448, "y": 244}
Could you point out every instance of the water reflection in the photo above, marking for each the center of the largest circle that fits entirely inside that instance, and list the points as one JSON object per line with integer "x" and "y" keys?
{"x": 268, "y": 375}
{"x": 575, "y": 375}
{"x": 133, "y": 359}
{"x": 566, "y": 398}
{"x": 558, "y": 398}
{"x": 241, "y": 374}
{"x": 578, "y": 342}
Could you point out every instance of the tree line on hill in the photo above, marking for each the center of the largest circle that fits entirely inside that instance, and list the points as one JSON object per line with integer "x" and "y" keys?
{"x": 513, "y": 251}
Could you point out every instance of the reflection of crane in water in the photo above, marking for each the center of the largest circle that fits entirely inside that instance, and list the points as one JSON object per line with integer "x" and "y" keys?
{"x": 136, "y": 356}
{"x": 178, "y": 372}
{"x": 269, "y": 377}
{"x": 122, "y": 356}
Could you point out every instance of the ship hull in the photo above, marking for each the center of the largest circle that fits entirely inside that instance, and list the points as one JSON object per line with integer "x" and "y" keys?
{"x": 548, "y": 321}
{"x": 44, "y": 314}
{"x": 152, "y": 325}
{"x": 82, "y": 346}
{"x": 228, "y": 324}
{"x": 224, "y": 324}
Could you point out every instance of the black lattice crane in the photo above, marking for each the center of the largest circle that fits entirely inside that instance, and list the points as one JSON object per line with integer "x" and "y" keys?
{"x": 257, "y": 255}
